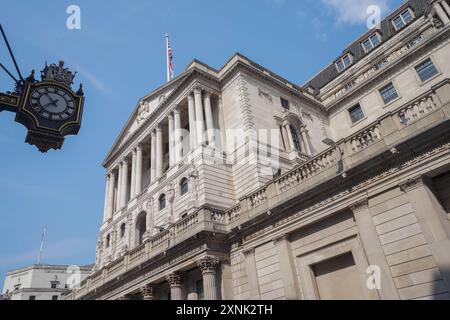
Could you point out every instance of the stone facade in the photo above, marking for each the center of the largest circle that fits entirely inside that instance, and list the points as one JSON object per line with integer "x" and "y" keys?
{"x": 238, "y": 184}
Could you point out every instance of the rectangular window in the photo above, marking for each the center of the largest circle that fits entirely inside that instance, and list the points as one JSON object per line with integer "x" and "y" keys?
{"x": 54, "y": 297}
{"x": 344, "y": 62}
{"x": 284, "y": 103}
{"x": 402, "y": 19}
{"x": 426, "y": 70}
{"x": 356, "y": 113}
{"x": 32, "y": 298}
{"x": 388, "y": 93}
{"x": 370, "y": 43}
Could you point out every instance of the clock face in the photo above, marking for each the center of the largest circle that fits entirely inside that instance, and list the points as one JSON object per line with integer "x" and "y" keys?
{"x": 52, "y": 103}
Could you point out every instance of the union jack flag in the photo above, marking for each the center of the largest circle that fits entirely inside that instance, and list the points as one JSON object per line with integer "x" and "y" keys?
{"x": 169, "y": 60}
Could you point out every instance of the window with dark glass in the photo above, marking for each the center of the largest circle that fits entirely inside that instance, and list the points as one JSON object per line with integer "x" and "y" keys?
{"x": 295, "y": 138}
{"x": 285, "y": 103}
{"x": 388, "y": 93}
{"x": 426, "y": 70}
{"x": 344, "y": 62}
{"x": 122, "y": 230}
{"x": 162, "y": 201}
{"x": 184, "y": 186}
{"x": 402, "y": 19}
{"x": 370, "y": 43}
{"x": 356, "y": 113}
{"x": 108, "y": 241}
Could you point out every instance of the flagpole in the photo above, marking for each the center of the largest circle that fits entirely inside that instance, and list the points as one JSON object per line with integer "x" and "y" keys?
{"x": 167, "y": 58}
{"x": 42, "y": 245}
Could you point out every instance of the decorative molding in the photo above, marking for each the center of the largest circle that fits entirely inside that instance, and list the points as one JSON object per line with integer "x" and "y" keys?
{"x": 248, "y": 251}
{"x": 280, "y": 238}
{"x": 147, "y": 292}
{"x": 411, "y": 184}
{"x": 265, "y": 95}
{"x": 208, "y": 264}
{"x": 360, "y": 205}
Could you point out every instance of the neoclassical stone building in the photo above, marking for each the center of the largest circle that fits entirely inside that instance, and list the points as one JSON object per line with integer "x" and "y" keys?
{"x": 238, "y": 184}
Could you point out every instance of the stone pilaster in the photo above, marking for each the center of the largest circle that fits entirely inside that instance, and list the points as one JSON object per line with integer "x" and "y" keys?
{"x": 287, "y": 266}
{"x": 192, "y": 125}
{"x": 138, "y": 186}
{"x": 209, "y": 119}
{"x": 199, "y": 115}
{"x": 252, "y": 275}
{"x": 208, "y": 266}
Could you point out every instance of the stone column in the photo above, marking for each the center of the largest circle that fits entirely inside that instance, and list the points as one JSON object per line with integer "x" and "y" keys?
{"x": 287, "y": 127}
{"x": 138, "y": 186}
{"x": 372, "y": 247}
{"x": 171, "y": 140}
{"x": 446, "y": 7}
{"x": 106, "y": 203}
{"x": 208, "y": 266}
{"x": 119, "y": 187}
{"x": 192, "y": 125}
{"x": 147, "y": 292}
{"x": 306, "y": 141}
{"x": 441, "y": 13}
{"x": 176, "y": 289}
{"x": 209, "y": 119}
{"x": 178, "y": 136}
{"x": 112, "y": 185}
{"x": 159, "y": 152}
{"x": 199, "y": 115}
{"x": 153, "y": 158}
{"x": 133, "y": 174}
{"x": 124, "y": 192}
{"x": 432, "y": 219}
{"x": 252, "y": 275}
{"x": 287, "y": 267}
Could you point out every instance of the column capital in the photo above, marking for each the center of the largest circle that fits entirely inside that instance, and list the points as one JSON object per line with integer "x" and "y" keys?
{"x": 198, "y": 90}
{"x": 176, "y": 110}
{"x": 170, "y": 116}
{"x": 360, "y": 205}
{"x": 248, "y": 251}
{"x": 190, "y": 96}
{"x": 278, "y": 239}
{"x": 411, "y": 184}
{"x": 208, "y": 264}
{"x": 174, "y": 279}
{"x": 158, "y": 128}
{"x": 147, "y": 292}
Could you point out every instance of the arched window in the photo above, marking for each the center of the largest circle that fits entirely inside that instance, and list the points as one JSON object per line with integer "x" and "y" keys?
{"x": 295, "y": 138}
{"x": 162, "y": 201}
{"x": 184, "y": 186}
{"x": 141, "y": 228}
{"x": 122, "y": 230}
{"x": 108, "y": 241}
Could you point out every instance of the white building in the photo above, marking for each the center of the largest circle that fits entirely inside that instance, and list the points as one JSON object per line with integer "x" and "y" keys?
{"x": 42, "y": 282}
{"x": 239, "y": 184}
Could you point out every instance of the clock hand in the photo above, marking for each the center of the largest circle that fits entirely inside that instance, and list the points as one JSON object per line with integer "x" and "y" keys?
{"x": 52, "y": 101}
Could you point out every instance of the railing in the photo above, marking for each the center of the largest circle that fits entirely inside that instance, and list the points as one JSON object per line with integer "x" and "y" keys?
{"x": 186, "y": 224}
{"x": 418, "y": 109}
{"x": 364, "y": 138}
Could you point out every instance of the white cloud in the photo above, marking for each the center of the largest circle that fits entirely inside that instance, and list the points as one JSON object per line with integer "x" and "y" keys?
{"x": 354, "y": 11}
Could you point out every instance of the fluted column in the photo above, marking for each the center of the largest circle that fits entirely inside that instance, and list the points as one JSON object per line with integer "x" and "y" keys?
{"x": 147, "y": 292}
{"x": 209, "y": 119}
{"x": 105, "y": 207}
{"x": 178, "y": 136}
{"x": 446, "y": 7}
{"x": 153, "y": 158}
{"x": 199, "y": 115}
{"x": 133, "y": 174}
{"x": 112, "y": 185}
{"x": 174, "y": 280}
{"x": 159, "y": 152}
{"x": 171, "y": 140}
{"x": 306, "y": 141}
{"x": 124, "y": 189}
{"x": 138, "y": 185}
{"x": 208, "y": 266}
{"x": 119, "y": 187}
{"x": 192, "y": 126}
{"x": 441, "y": 13}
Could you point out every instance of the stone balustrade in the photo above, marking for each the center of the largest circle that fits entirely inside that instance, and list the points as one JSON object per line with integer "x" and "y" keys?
{"x": 364, "y": 138}
{"x": 418, "y": 109}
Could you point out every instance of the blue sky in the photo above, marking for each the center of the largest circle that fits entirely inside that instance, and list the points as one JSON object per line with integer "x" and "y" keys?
{"x": 119, "y": 54}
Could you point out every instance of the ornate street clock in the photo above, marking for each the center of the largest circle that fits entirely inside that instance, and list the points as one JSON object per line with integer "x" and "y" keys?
{"x": 49, "y": 108}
